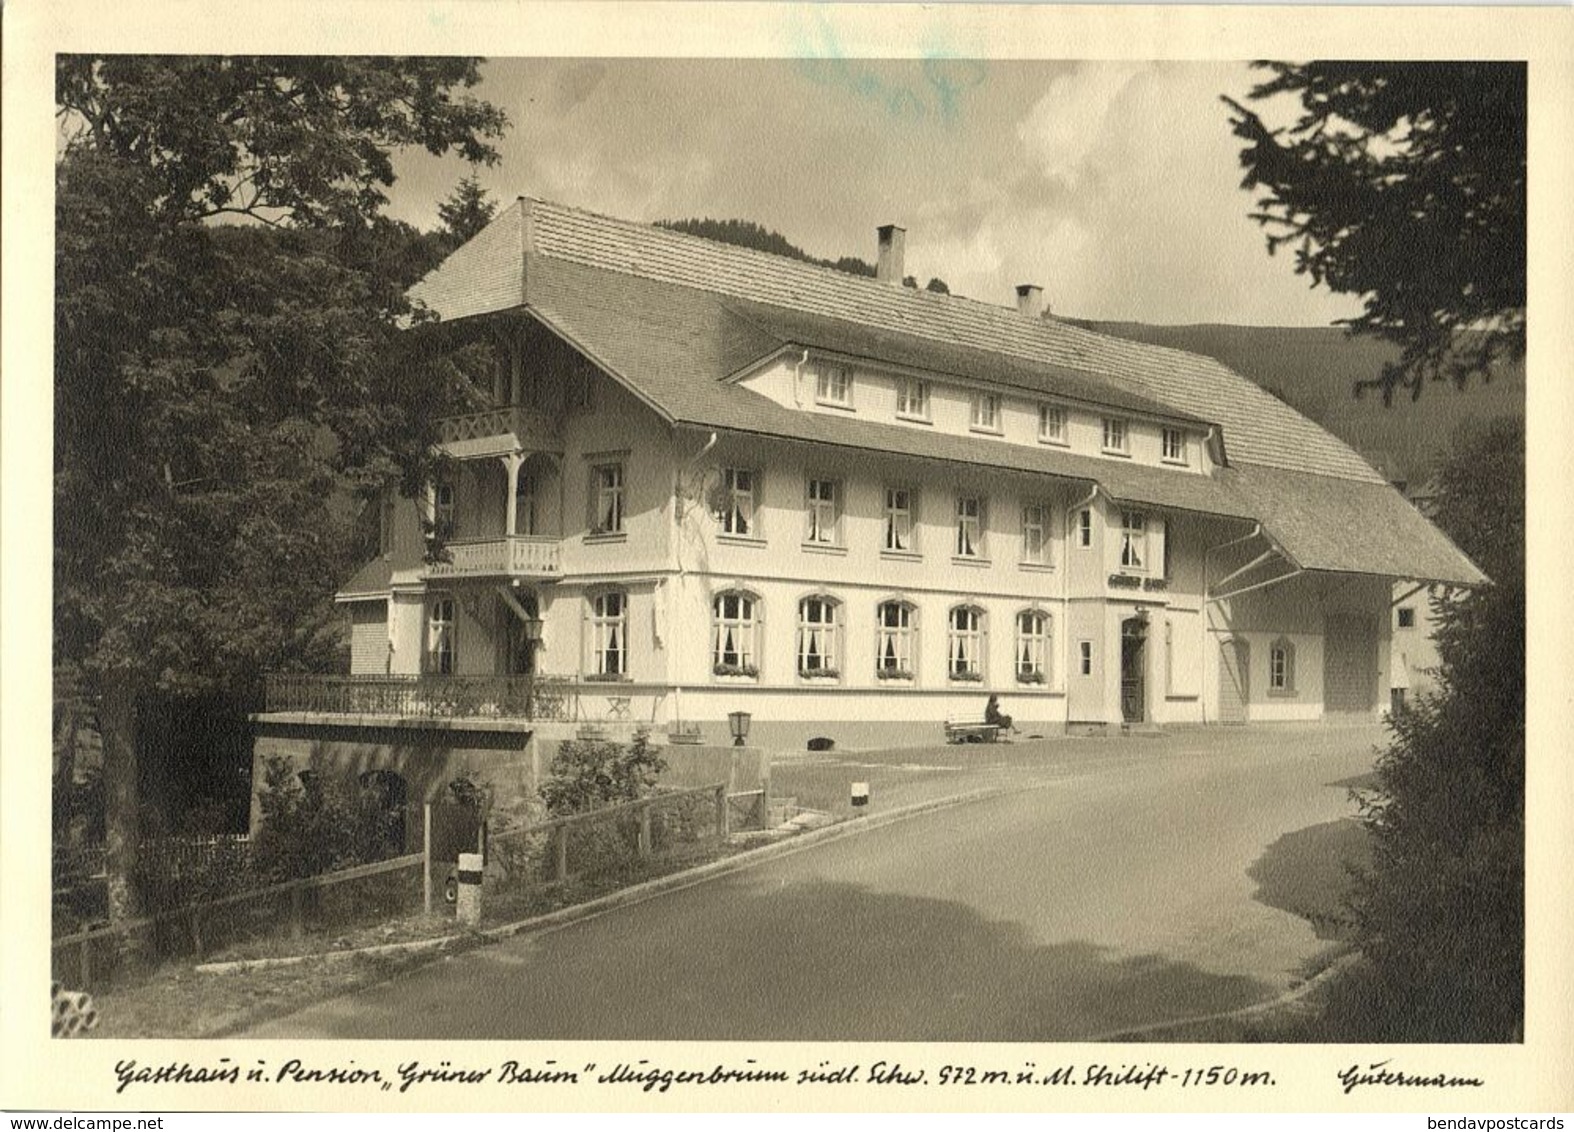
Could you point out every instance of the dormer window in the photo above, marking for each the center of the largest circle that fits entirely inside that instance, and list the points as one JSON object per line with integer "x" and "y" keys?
{"x": 1116, "y": 436}
{"x": 986, "y": 412}
{"x": 834, "y": 386}
{"x": 912, "y": 400}
{"x": 1174, "y": 447}
{"x": 1051, "y": 424}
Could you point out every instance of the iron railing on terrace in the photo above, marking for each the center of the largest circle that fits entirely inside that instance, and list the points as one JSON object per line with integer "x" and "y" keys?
{"x": 426, "y": 697}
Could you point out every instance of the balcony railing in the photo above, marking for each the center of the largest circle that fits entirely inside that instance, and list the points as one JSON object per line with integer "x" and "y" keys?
{"x": 519, "y": 556}
{"x": 529, "y": 429}
{"x": 423, "y": 697}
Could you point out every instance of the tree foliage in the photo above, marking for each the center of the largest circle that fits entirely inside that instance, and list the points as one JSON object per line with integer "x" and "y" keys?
{"x": 748, "y": 234}
{"x": 1403, "y": 183}
{"x": 222, "y": 389}
{"x": 315, "y": 823}
{"x": 587, "y": 774}
{"x": 465, "y": 212}
{"x": 1440, "y": 917}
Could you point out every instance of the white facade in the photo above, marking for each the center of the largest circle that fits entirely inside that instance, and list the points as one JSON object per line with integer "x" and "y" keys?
{"x": 854, "y": 594}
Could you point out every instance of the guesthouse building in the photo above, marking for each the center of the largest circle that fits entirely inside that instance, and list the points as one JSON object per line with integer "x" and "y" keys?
{"x": 707, "y": 480}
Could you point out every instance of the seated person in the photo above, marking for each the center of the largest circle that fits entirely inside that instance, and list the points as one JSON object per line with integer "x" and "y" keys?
{"x": 993, "y": 715}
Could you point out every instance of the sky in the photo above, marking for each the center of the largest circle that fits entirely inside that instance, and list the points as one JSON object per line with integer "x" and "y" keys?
{"x": 1115, "y": 186}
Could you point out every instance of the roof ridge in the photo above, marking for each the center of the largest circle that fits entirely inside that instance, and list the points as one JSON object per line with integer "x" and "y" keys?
{"x": 804, "y": 264}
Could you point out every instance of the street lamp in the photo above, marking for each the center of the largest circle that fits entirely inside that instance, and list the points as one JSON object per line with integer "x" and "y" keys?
{"x": 739, "y": 722}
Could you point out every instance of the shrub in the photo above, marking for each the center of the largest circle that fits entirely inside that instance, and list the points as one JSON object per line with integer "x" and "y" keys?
{"x": 587, "y": 774}
{"x": 1440, "y": 916}
{"x": 314, "y": 822}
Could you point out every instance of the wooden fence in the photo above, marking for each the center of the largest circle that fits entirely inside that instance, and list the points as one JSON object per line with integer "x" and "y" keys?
{"x": 193, "y": 916}
{"x": 715, "y": 801}
{"x": 559, "y": 831}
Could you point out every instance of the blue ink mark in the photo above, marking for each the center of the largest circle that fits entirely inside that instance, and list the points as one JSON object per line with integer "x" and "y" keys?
{"x": 946, "y": 79}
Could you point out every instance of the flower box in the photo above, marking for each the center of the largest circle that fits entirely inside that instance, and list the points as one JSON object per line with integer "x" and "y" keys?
{"x": 968, "y": 677}
{"x": 892, "y": 674}
{"x": 749, "y": 671}
{"x": 820, "y": 673}
{"x": 1031, "y": 678}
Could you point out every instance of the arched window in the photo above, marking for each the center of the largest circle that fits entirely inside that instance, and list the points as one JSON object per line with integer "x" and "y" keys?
{"x": 1032, "y": 649}
{"x": 895, "y": 627}
{"x": 609, "y": 634}
{"x": 735, "y": 644}
{"x": 818, "y": 640}
{"x": 1281, "y": 667}
{"x": 965, "y": 644}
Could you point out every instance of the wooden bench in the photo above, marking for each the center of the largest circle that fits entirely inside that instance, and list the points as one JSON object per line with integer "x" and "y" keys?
{"x": 970, "y": 729}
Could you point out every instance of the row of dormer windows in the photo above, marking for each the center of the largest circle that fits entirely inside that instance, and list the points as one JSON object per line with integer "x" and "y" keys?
{"x": 834, "y": 389}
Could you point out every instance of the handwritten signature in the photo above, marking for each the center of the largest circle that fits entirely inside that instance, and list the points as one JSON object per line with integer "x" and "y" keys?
{"x": 1379, "y": 1073}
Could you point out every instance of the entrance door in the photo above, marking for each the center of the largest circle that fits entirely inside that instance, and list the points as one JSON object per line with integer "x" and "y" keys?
{"x": 1350, "y": 666}
{"x": 1133, "y": 663}
{"x": 1234, "y": 667}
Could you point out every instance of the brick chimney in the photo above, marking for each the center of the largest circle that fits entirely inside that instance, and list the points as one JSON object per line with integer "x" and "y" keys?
{"x": 892, "y": 266}
{"x": 1030, "y": 300}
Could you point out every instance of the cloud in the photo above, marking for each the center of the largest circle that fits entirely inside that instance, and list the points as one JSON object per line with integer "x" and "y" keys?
{"x": 1113, "y": 185}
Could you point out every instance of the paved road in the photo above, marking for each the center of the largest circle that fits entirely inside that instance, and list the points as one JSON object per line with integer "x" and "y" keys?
{"x": 1109, "y": 891}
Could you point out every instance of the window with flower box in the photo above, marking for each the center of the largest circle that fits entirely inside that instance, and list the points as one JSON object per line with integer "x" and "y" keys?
{"x": 818, "y": 638}
{"x": 1033, "y": 647}
{"x": 894, "y": 641}
{"x": 735, "y": 635}
{"x": 965, "y": 644}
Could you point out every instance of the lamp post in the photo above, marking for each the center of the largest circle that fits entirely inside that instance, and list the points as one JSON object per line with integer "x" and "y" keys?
{"x": 739, "y": 722}
{"x": 533, "y": 626}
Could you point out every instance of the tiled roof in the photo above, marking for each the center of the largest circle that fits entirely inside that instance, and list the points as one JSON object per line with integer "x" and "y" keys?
{"x": 1329, "y": 524}
{"x": 673, "y": 315}
{"x": 1257, "y": 426}
{"x": 372, "y": 580}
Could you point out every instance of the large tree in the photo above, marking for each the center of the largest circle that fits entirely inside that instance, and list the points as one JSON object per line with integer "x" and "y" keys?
{"x": 1402, "y": 183}
{"x": 220, "y": 387}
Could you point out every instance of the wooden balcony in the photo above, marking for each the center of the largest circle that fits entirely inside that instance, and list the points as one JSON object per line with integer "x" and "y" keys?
{"x": 519, "y": 556}
{"x": 498, "y": 431}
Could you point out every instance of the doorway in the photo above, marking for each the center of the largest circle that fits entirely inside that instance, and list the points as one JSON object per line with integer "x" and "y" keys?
{"x": 1234, "y": 666}
{"x": 1133, "y": 670}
